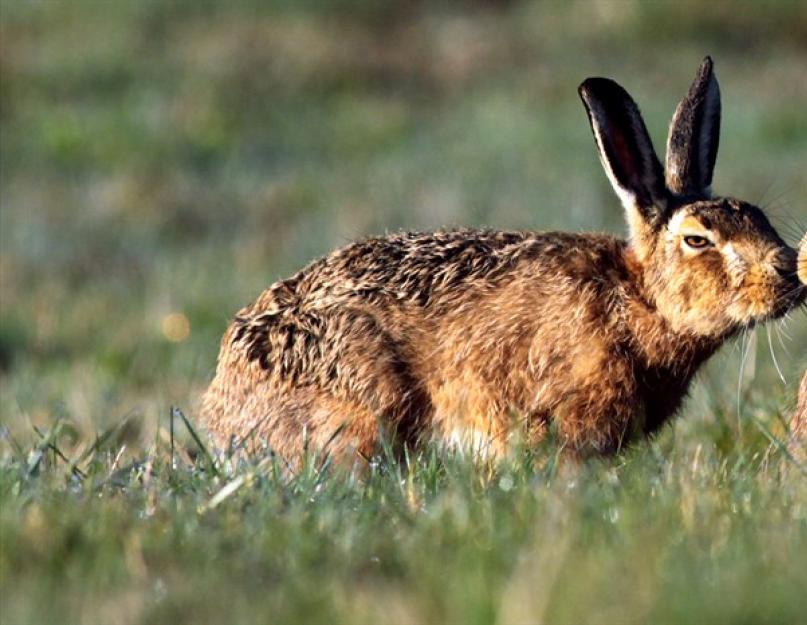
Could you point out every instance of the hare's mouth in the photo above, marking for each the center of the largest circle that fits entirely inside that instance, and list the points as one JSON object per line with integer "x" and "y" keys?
{"x": 792, "y": 297}
{"x": 752, "y": 312}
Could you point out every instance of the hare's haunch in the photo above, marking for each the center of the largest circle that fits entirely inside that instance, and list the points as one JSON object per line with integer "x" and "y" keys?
{"x": 479, "y": 338}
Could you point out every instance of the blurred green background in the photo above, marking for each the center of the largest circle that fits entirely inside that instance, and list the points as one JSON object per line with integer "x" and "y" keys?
{"x": 163, "y": 162}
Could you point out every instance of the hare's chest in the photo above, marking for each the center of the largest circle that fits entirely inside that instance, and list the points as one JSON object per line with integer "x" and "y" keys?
{"x": 662, "y": 391}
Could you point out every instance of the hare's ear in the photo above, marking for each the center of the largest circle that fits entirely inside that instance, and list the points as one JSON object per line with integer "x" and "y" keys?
{"x": 626, "y": 152}
{"x": 695, "y": 135}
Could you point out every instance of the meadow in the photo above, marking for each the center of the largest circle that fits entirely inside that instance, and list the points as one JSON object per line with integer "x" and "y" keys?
{"x": 163, "y": 162}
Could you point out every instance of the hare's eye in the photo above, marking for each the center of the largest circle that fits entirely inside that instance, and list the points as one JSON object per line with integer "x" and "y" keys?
{"x": 697, "y": 242}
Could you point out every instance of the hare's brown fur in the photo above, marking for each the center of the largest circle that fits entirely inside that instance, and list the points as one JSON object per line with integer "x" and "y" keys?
{"x": 472, "y": 337}
{"x": 460, "y": 334}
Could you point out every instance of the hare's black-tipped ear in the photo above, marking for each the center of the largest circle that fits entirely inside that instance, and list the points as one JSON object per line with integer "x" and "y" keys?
{"x": 626, "y": 151}
{"x": 695, "y": 135}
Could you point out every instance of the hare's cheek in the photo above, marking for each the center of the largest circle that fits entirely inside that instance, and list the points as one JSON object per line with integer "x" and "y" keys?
{"x": 735, "y": 267}
{"x": 709, "y": 282}
{"x": 708, "y": 300}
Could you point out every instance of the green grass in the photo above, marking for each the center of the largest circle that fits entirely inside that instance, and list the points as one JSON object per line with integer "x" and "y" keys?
{"x": 678, "y": 531}
{"x": 160, "y": 158}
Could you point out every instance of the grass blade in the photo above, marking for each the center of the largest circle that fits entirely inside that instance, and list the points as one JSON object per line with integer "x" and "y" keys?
{"x": 176, "y": 412}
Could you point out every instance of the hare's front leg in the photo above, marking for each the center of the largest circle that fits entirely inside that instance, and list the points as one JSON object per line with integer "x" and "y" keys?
{"x": 599, "y": 415}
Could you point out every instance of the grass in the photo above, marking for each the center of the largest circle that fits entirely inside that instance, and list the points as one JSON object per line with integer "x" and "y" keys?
{"x": 161, "y": 163}
{"x": 675, "y": 531}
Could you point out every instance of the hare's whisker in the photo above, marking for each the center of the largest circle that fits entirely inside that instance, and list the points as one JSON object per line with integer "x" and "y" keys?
{"x": 743, "y": 355}
{"x": 773, "y": 356}
{"x": 779, "y": 329}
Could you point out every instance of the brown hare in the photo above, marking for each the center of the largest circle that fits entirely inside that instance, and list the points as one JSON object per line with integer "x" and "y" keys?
{"x": 480, "y": 338}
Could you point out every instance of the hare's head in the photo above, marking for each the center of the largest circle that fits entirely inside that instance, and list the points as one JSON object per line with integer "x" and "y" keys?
{"x": 711, "y": 264}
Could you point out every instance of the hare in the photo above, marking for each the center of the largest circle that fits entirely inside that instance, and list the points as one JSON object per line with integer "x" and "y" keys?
{"x": 480, "y": 338}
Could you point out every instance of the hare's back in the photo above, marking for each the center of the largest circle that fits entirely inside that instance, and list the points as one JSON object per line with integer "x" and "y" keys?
{"x": 423, "y": 269}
